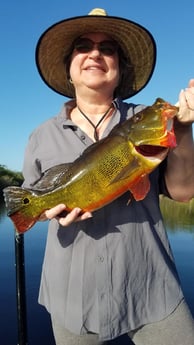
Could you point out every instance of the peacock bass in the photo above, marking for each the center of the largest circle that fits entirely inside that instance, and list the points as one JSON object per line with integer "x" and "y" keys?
{"x": 118, "y": 163}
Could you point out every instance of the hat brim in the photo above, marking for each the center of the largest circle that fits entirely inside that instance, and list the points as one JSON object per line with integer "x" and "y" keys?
{"x": 136, "y": 42}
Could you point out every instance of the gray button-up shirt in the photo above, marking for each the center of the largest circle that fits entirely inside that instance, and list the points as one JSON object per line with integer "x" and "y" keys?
{"x": 114, "y": 272}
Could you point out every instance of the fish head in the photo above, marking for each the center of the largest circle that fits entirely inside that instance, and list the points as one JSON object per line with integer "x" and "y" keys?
{"x": 151, "y": 131}
{"x": 154, "y": 125}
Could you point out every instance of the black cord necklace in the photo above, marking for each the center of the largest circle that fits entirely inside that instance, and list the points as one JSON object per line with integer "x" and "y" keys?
{"x": 99, "y": 122}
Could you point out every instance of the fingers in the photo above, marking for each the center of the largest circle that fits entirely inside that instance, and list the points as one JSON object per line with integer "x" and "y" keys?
{"x": 191, "y": 83}
{"x": 55, "y": 211}
{"x": 189, "y": 97}
{"x": 73, "y": 216}
{"x": 186, "y": 104}
{"x": 84, "y": 216}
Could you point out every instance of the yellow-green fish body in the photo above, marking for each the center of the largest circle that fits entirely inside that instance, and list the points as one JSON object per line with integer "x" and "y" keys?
{"x": 105, "y": 170}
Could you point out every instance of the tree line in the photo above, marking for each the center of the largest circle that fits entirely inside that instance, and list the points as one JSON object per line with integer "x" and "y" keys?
{"x": 9, "y": 178}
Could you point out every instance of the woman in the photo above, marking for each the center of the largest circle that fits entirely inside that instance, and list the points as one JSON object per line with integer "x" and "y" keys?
{"x": 111, "y": 272}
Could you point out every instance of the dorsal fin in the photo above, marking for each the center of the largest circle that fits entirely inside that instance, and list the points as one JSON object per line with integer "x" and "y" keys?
{"x": 52, "y": 178}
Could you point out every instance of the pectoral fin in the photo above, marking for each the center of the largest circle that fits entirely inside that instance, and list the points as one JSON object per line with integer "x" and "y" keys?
{"x": 140, "y": 189}
{"x": 126, "y": 171}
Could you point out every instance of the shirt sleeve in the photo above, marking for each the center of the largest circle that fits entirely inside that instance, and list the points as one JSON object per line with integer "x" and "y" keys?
{"x": 31, "y": 166}
{"x": 162, "y": 182}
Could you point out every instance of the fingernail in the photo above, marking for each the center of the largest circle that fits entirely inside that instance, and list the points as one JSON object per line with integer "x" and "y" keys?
{"x": 89, "y": 215}
{"x": 77, "y": 210}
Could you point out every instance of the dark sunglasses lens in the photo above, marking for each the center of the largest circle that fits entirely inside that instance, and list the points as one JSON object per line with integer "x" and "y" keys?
{"x": 83, "y": 45}
{"x": 108, "y": 48}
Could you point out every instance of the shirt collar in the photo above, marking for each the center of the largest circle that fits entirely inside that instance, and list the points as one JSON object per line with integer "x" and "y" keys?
{"x": 63, "y": 115}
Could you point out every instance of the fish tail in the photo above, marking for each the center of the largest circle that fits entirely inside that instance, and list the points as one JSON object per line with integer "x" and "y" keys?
{"x": 17, "y": 200}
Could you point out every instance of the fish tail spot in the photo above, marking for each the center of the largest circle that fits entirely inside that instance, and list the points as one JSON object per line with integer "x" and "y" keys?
{"x": 15, "y": 198}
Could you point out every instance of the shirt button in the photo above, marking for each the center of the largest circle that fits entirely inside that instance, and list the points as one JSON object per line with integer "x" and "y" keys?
{"x": 83, "y": 137}
{"x": 101, "y": 258}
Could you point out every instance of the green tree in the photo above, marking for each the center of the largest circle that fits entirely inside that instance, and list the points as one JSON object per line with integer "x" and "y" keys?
{"x": 9, "y": 178}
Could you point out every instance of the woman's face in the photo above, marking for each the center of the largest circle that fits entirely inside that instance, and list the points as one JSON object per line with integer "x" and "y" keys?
{"x": 93, "y": 65}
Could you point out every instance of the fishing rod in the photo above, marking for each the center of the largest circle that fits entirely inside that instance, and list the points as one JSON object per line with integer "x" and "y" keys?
{"x": 20, "y": 289}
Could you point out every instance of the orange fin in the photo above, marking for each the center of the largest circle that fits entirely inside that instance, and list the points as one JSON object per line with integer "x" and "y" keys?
{"x": 17, "y": 201}
{"x": 140, "y": 189}
{"x": 22, "y": 223}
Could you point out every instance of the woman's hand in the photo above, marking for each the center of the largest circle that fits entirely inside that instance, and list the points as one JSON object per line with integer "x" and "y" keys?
{"x": 186, "y": 104}
{"x": 179, "y": 173}
{"x": 65, "y": 220}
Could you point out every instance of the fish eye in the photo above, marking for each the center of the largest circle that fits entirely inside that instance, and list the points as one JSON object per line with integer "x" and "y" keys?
{"x": 26, "y": 201}
{"x": 137, "y": 118}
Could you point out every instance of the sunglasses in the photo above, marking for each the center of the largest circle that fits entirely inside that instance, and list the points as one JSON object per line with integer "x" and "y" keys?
{"x": 85, "y": 45}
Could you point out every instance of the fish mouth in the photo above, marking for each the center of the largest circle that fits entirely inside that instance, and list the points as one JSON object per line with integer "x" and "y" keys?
{"x": 152, "y": 151}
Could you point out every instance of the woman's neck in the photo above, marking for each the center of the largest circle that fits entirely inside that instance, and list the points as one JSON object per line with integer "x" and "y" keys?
{"x": 92, "y": 116}
{"x": 94, "y": 104}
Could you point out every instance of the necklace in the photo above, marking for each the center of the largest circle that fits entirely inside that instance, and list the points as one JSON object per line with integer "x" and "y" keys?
{"x": 99, "y": 122}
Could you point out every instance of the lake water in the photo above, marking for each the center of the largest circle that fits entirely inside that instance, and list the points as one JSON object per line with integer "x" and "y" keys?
{"x": 39, "y": 328}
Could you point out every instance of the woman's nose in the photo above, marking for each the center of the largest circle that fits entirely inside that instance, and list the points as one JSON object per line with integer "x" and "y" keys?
{"x": 95, "y": 50}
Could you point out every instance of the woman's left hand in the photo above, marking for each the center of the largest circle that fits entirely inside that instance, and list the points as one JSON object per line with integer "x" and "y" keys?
{"x": 186, "y": 104}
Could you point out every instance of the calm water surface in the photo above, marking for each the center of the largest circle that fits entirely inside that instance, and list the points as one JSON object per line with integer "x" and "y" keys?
{"x": 39, "y": 327}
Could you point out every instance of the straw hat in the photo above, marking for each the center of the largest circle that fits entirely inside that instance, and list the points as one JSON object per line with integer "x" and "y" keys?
{"x": 136, "y": 42}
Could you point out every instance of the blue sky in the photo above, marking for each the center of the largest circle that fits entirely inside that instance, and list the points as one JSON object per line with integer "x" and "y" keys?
{"x": 26, "y": 101}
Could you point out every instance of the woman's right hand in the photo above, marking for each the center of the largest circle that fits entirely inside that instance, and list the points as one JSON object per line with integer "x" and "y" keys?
{"x": 74, "y": 216}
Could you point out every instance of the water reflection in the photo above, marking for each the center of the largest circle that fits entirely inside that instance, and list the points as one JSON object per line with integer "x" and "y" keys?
{"x": 178, "y": 217}
{"x": 2, "y": 209}
{"x": 178, "y": 214}
{"x": 37, "y": 318}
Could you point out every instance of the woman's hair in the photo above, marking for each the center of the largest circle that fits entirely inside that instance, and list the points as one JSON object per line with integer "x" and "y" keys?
{"x": 123, "y": 66}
